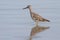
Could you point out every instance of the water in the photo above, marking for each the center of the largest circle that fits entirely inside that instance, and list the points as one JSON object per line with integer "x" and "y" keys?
{"x": 16, "y": 24}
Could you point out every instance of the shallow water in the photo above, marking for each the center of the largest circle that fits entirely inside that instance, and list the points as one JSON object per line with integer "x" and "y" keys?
{"x": 16, "y": 24}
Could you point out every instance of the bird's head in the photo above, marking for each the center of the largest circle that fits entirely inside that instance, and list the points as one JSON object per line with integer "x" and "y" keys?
{"x": 27, "y": 7}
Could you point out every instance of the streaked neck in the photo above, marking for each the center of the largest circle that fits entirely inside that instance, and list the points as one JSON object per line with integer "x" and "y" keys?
{"x": 30, "y": 9}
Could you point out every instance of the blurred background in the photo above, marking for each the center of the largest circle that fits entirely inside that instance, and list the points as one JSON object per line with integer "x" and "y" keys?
{"x": 16, "y": 24}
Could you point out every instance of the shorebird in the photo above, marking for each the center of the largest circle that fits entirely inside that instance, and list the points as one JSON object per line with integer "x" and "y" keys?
{"x": 37, "y": 18}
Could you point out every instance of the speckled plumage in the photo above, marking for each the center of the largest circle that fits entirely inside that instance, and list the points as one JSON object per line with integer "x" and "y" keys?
{"x": 35, "y": 16}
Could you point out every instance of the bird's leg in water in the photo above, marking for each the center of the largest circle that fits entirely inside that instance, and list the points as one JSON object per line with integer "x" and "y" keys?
{"x": 36, "y": 23}
{"x": 30, "y": 38}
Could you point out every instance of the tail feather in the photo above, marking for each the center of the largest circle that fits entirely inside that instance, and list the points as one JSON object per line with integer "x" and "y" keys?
{"x": 46, "y": 20}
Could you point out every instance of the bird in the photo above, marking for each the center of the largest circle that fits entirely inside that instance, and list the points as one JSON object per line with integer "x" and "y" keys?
{"x": 36, "y": 17}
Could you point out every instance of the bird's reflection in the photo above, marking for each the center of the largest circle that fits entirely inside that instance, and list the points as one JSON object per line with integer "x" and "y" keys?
{"x": 36, "y": 30}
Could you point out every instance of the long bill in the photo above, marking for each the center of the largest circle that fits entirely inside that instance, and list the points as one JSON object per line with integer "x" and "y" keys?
{"x": 25, "y": 8}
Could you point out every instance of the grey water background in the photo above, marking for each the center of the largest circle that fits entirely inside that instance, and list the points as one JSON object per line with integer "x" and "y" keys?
{"x": 16, "y": 24}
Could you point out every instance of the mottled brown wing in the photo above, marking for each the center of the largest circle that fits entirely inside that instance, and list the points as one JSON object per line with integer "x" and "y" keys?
{"x": 38, "y": 17}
